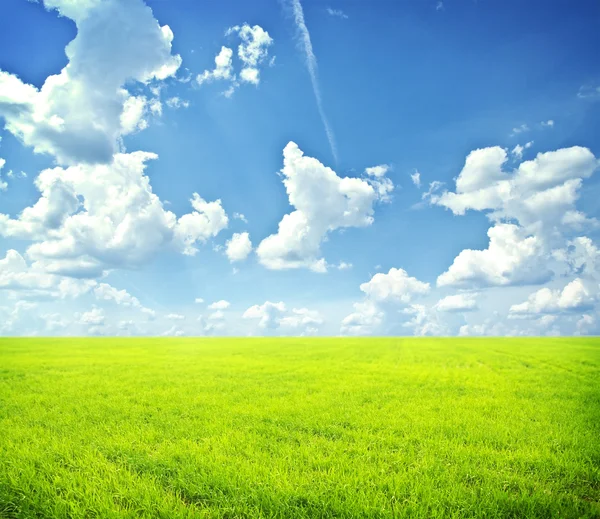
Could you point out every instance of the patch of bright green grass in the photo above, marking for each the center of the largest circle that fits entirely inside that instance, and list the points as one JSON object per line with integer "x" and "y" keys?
{"x": 299, "y": 428}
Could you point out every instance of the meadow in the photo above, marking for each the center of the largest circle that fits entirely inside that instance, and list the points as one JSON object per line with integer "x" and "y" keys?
{"x": 300, "y": 428}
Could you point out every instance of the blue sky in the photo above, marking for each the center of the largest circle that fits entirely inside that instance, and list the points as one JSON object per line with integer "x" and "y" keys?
{"x": 116, "y": 115}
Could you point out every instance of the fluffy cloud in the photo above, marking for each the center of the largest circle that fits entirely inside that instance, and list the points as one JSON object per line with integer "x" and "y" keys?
{"x": 395, "y": 286}
{"x": 99, "y": 212}
{"x": 324, "y": 202}
{"x": 273, "y": 316}
{"x": 93, "y": 317}
{"x": 33, "y": 282}
{"x": 416, "y": 178}
{"x": 76, "y": 115}
{"x": 424, "y": 321}
{"x": 366, "y": 319}
{"x": 177, "y": 102}
{"x": 3, "y": 184}
{"x": 91, "y": 218}
{"x": 223, "y": 68}
{"x": 539, "y": 196}
{"x": 518, "y": 149}
{"x": 511, "y": 258}
{"x": 577, "y": 295}
{"x": 253, "y": 51}
{"x": 238, "y": 247}
{"x": 457, "y": 303}
{"x": 220, "y": 305}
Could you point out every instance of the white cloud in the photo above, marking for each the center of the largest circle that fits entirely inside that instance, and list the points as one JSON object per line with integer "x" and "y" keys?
{"x": 198, "y": 300}
{"x": 311, "y": 65}
{"x": 253, "y": 50}
{"x": 273, "y": 316}
{"x": 173, "y": 332}
{"x": 365, "y": 320}
{"x": 33, "y": 282}
{"x": 175, "y": 317}
{"x": 324, "y": 202}
{"x": 539, "y": 195}
{"x": 589, "y": 91}
{"x": 337, "y": 13}
{"x": 223, "y": 68}
{"x": 518, "y": 150}
{"x": 76, "y": 115}
{"x": 342, "y": 265}
{"x": 3, "y": 184}
{"x": 94, "y": 317}
{"x": 91, "y": 218}
{"x": 177, "y": 102}
{"x": 104, "y": 291}
{"x": 465, "y": 302}
{"x": 268, "y": 314}
{"x": 238, "y": 247}
{"x": 132, "y": 117}
{"x": 549, "y": 123}
{"x": 424, "y": 321}
{"x": 395, "y": 286}
{"x": 439, "y": 6}
{"x": 511, "y": 258}
{"x": 219, "y": 305}
{"x": 416, "y": 178}
{"x": 240, "y": 216}
{"x": 575, "y": 296}
{"x": 520, "y": 129}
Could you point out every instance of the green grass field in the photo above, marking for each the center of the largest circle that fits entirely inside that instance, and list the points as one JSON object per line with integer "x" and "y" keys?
{"x": 256, "y": 428}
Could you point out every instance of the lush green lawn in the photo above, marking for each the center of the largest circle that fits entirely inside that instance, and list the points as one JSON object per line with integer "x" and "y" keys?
{"x": 300, "y": 428}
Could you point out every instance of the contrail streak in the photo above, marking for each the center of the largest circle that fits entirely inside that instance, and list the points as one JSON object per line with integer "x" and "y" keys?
{"x": 311, "y": 64}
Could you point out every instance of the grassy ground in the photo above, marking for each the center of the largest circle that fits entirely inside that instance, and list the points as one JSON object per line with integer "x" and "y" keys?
{"x": 293, "y": 428}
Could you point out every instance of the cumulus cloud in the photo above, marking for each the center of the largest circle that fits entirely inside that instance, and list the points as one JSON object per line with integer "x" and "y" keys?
{"x": 223, "y": 68}
{"x": 17, "y": 275}
{"x": 518, "y": 150}
{"x": 91, "y": 218}
{"x": 465, "y": 302}
{"x": 577, "y": 295}
{"x": 539, "y": 196}
{"x": 424, "y": 321}
{"x": 97, "y": 211}
{"x": 416, "y": 178}
{"x": 512, "y": 258}
{"x": 76, "y": 115}
{"x": 219, "y": 305}
{"x": 394, "y": 288}
{"x": 252, "y": 52}
{"x": 324, "y": 202}
{"x": 238, "y": 247}
{"x": 177, "y": 102}
{"x": 273, "y": 316}
{"x": 3, "y": 184}
{"x": 366, "y": 318}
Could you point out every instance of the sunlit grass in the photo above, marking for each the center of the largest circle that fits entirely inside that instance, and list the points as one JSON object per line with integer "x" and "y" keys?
{"x": 258, "y": 428}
